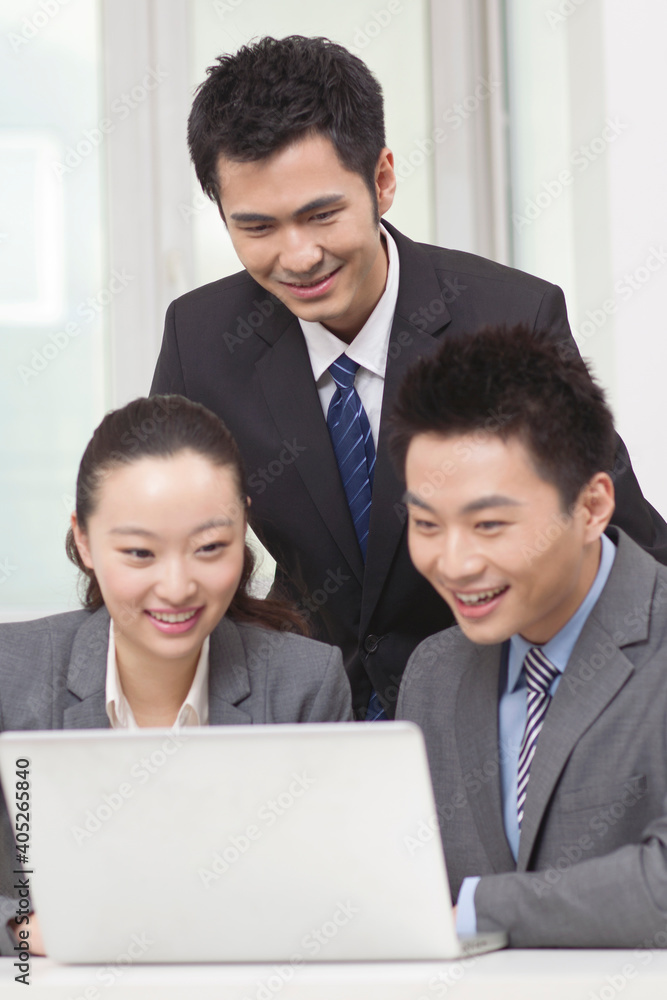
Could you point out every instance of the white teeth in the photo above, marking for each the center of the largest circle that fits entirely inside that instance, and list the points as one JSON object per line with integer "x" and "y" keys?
{"x": 479, "y": 598}
{"x": 172, "y": 619}
{"x": 311, "y": 284}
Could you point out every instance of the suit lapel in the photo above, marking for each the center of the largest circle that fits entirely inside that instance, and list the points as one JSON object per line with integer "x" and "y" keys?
{"x": 595, "y": 673}
{"x": 421, "y": 313}
{"x": 297, "y": 413}
{"x": 228, "y": 681}
{"x": 574, "y": 709}
{"x": 477, "y": 743}
{"x": 86, "y": 675}
{"x": 413, "y": 336}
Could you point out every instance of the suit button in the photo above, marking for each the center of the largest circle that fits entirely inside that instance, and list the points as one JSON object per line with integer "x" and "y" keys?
{"x": 371, "y": 643}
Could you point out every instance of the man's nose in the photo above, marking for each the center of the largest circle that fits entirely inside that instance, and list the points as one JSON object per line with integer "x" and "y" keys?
{"x": 300, "y": 255}
{"x": 460, "y": 561}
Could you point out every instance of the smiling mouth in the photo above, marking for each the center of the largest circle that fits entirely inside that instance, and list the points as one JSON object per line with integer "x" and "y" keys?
{"x": 311, "y": 284}
{"x": 173, "y": 618}
{"x": 481, "y": 597}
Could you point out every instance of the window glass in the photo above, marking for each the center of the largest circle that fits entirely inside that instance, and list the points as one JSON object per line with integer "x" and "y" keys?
{"x": 53, "y": 289}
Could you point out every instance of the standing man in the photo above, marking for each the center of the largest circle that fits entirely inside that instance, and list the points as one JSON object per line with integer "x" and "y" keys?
{"x": 545, "y": 711}
{"x": 302, "y": 353}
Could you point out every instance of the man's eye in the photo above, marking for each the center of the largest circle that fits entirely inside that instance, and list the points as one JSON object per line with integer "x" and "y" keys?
{"x": 423, "y": 524}
{"x": 490, "y": 525}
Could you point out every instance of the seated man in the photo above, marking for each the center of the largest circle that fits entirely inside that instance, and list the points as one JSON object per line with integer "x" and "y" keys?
{"x": 545, "y": 710}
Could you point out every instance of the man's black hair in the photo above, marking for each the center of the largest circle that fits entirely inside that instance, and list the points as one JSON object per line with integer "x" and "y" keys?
{"x": 512, "y": 382}
{"x": 279, "y": 90}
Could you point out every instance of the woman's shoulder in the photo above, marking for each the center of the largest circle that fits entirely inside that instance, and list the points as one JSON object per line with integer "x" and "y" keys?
{"x": 278, "y": 646}
{"x": 22, "y": 638}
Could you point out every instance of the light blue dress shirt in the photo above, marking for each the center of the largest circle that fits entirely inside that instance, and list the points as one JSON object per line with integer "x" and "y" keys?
{"x": 512, "y": 719}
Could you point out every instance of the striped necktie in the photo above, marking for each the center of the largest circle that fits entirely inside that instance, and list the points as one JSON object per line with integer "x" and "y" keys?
{"x": 353, "y": 445}
{"x": 540, "y": 673}
{"x": 355, "y": 453}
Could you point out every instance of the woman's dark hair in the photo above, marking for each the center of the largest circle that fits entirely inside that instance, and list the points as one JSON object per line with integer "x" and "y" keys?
{"x": 277, "y": 91}
{"x": 159, "y": 427}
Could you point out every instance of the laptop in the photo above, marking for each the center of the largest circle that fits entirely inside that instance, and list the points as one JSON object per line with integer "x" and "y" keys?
{"x": 290, "y": 843}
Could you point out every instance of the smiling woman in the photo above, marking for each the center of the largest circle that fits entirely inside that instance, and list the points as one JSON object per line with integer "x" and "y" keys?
{"x": 169, "y": 634}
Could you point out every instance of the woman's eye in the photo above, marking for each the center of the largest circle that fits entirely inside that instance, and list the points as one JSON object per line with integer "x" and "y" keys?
{"x": 212, "y": 547}
{"x": 138, "y": 553}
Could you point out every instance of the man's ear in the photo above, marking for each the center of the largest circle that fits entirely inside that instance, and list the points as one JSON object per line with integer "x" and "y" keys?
{"x": 385, "y": 181}
{"x": 81, "y": 540}
{"x": 597, "y": 501}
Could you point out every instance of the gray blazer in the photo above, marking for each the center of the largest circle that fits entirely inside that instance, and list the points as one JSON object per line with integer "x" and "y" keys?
{"x": 592, "y": 864}
{"x": 53, "y": 676}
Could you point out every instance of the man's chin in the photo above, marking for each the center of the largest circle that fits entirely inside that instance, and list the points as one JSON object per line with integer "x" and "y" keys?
{"x": 481, "y": 633}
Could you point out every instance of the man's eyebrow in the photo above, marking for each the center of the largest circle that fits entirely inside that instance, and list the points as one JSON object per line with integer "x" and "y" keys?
{"x": 416, "y": 501}
{"x": 495, "y": 500}
{"x": 324, "y": 202}
{"x": 312, "y": 206}
{"x": 251, "y": 217}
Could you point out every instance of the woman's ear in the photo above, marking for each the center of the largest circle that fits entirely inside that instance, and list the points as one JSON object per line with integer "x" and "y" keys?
{"x": 81, "y": 540}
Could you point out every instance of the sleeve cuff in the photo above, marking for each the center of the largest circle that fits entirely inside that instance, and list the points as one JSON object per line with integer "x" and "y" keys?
{"x": 466, "y": 917}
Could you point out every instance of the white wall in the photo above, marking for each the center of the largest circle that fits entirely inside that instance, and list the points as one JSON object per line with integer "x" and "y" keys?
{"x": 589, "y": 151}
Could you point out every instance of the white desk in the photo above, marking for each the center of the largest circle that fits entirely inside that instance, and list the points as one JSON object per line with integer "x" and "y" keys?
{"x": 506, "y": 975}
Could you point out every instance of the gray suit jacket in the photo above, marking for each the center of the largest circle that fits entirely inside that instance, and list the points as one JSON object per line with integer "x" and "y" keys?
{"x": 592, "y": 864}
{"x": 53, "y": 676}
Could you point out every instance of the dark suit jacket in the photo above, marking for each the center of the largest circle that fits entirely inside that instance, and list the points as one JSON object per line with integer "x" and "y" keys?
{"x": 240, "y": 352}
{"x": 53, "y": 676}
{"x": 592, "y": 864}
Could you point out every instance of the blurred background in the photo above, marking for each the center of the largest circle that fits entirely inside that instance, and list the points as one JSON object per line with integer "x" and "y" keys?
{"x": 528, "y": 131}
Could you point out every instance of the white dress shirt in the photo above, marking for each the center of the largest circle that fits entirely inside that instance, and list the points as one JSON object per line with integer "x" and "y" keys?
{"x": 193, "y": 711}
{"x": 369, "y": 348}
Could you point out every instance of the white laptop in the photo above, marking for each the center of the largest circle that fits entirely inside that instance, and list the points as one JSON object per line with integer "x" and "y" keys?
{"x": 236, "y": 844}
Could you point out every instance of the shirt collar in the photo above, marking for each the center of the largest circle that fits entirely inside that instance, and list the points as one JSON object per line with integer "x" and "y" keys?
{"x": 369, "y": 347}
{"x": 559, "y": 648}
{"x": 193, "y": 711}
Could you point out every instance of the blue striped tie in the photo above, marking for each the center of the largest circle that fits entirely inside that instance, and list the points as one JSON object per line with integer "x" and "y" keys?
{"x": 353, "y": 445}
{"x": 355, "y": 453}
{"x": 540, "y": 672}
